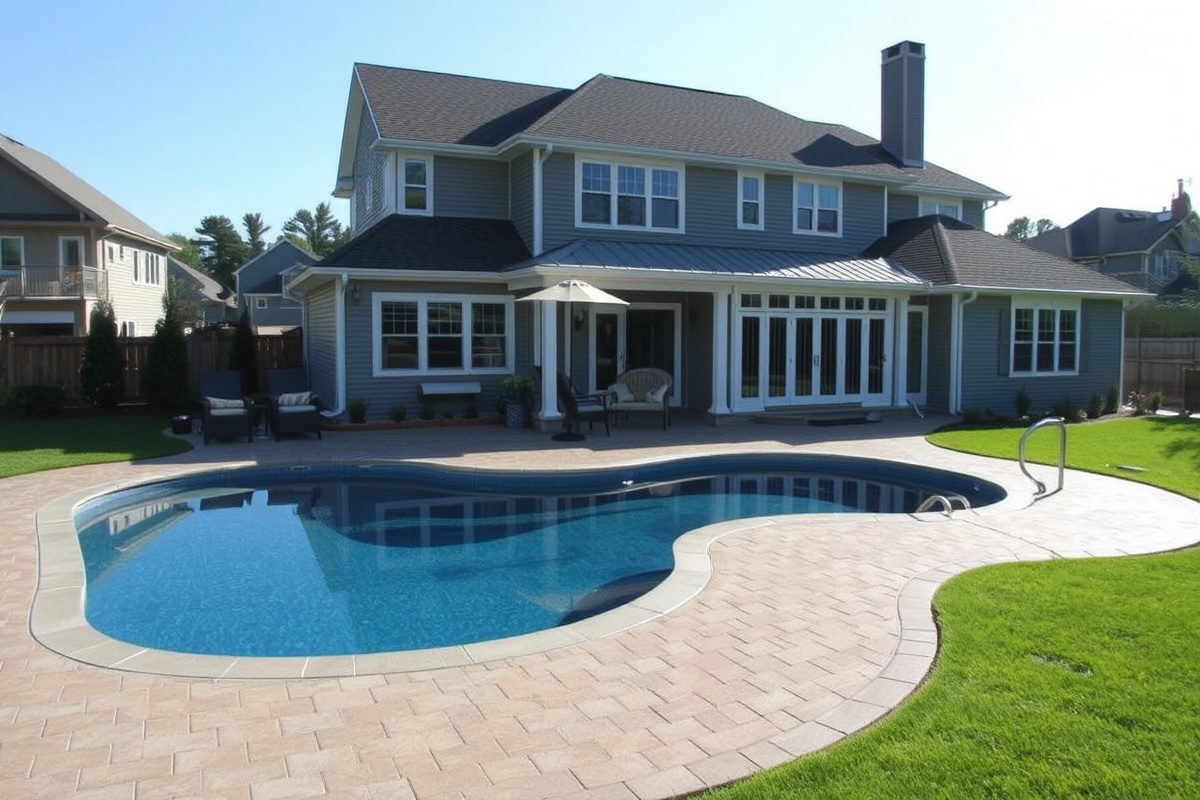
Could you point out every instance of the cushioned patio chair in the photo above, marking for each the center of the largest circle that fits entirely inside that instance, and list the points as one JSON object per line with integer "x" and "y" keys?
{"x": 581, "y": 408}
{"x": 294, "y": 407}
{"x": 224, "y": 412}
{"x": 642, "y": 389}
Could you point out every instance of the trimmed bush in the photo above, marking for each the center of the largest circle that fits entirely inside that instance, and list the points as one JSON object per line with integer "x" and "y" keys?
{"x": 102, "y": 374}
{"x": 40, "y": 399}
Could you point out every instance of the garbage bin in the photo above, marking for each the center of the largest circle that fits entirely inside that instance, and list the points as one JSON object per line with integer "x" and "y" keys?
{"x": 181, "y": 424}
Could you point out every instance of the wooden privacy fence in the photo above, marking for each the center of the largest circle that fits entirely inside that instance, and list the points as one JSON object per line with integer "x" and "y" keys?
{"x": 1159, "y": 365}
{"x": 57, "y": 359}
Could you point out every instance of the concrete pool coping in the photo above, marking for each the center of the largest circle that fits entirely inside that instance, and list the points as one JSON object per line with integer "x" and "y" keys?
{"x": 57, "y": 618}
{"x": 803, "y": 634}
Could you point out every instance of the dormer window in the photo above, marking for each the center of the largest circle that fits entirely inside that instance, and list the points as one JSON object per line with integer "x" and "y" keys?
{"x": 625, "y": 195}
{"x": 946, "y": 206}
{"x": 818, "y": 208}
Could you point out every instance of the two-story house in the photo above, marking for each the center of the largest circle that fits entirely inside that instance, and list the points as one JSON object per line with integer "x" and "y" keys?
{"x": 259, "y": 285}
{"x": 64, "y": 245}
{"x": 206, "y": 301}
{"x": 1142, "y": 248}
{"x": 767, "y": 261}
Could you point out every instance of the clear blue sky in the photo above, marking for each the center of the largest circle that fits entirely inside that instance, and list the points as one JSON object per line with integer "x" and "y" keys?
{"x": 179, "y": 109}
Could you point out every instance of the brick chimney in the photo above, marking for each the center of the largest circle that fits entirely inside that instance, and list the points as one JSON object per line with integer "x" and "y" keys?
{"x": 1181, "y": 204}
{"x": 903, "y": 117}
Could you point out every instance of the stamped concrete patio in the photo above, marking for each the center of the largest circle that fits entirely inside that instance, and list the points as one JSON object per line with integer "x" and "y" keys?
{"x": 805, "y": 630}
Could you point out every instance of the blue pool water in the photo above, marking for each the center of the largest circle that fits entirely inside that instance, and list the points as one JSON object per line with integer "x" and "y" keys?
{"x": 330, "y": 560}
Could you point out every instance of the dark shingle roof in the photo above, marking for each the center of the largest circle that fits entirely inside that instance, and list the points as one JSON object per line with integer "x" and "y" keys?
{"x": 947, "y": 252}
{"x": 432, "y": 243}
{"x": 78, "y": 191}
{"x": 1104, "y": 231}
{"x": 414, "y": 105}
{"x": 432, "y": 107}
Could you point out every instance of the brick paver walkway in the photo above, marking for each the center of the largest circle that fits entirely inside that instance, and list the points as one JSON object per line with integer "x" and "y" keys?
{"x": 808, "y": 628}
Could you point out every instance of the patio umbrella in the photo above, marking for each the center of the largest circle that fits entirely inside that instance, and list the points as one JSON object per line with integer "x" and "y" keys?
{"x": 575, "y": 291}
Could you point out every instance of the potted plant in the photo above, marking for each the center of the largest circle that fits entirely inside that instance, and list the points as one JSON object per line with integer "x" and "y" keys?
{"x": 517, "y": 395}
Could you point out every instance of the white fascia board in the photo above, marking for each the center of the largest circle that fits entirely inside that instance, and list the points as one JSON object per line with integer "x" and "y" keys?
{"x": 1132, "y": 294}
{"x": 924, "y": 190}
{"x": 444, "y": 148}
{"x": 166, "y": 244}
{"x": 316, "y": 274}
{"x": 354, "y": 106}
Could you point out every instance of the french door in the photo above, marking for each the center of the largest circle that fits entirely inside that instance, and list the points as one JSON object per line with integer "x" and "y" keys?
{"x": 813, "y": 358}
{"x": 641, "y": 335}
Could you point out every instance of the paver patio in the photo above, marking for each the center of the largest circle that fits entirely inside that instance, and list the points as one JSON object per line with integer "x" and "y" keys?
{"x": 808, "y": 629}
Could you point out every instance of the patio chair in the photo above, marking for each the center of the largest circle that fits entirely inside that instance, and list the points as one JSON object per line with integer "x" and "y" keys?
{"x": 224, "y": 412}
{"x": 581, "y": 408}
{"x": 294, "y": 407}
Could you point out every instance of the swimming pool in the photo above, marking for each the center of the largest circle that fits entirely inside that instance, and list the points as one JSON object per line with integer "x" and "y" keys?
{"x": 347, "y": 559}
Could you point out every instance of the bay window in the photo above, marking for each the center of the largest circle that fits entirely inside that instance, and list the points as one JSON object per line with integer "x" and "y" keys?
{"x": 1045, "y": 338}
{"x": 442, "y": 334}
{"x": 629, "y": 195}
{"x": 818, "y": 208}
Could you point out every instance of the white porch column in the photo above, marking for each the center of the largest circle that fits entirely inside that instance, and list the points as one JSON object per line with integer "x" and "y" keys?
{"x": 720, "y": 352}
{"x": 549, "y": 326}
{"x": 900, "y": 373}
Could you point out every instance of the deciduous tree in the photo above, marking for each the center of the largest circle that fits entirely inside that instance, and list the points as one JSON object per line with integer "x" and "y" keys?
{"x": 1022, "y": 228}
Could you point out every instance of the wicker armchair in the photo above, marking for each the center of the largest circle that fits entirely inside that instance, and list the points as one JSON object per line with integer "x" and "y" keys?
{"x": 224, "y": 412}
{"x": 294, "y": 409}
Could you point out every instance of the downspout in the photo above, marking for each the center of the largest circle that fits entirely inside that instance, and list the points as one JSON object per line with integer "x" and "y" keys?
{"x": 956, "y": 358}
{"x": 339, "y": 350}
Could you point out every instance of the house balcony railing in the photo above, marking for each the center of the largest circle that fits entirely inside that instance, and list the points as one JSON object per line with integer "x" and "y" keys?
{"x": 51, "y": 282}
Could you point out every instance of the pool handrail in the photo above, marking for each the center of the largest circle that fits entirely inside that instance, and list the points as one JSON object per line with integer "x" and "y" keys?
{"x": 1062, "y": 451}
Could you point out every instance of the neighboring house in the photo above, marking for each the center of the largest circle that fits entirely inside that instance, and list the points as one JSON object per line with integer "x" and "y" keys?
{"x": 769, "y": 262}
{"x": 1143, "y": 248}
{"x": 211, "y": 302}
{"x": 259, "y": 284}
{"x": 64, "y": 245}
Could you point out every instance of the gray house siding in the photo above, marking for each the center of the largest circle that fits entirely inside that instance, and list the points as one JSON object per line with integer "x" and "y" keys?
{"x": 320, "y": 341}
{"x": 901, "y": 207}
{"x": 277, "y": 312}
{"x": 382, "y": 394}
{"x": 987, "y": 384}
{"x": 710, "y": 209}
{"x": 520, "y": 197}
{"x": 697, "y": 352}
{"x": 470, "y": 187}
{"x": 369, "y": 166}
{"x": 938, "y": 355}
{"x": 973, "y": 213}
{"x": 20, "y": 193}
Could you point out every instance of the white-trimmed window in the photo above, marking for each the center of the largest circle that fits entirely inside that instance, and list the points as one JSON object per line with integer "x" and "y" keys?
{"x": 442, "y": 334}
{"x": 260, "y": 303}
{"x": 946, "y": 206}
{"x": 1045, "y": 337}
{"x": 629, "y": 195}
{"x": 137, "y": 266}
{"x": 12, "y": 251}
{"x": 818, "y": 208}
{"x": 415, "y": 179}
{"x": 70, "y": 251}
{"x": 750, "y": 201}
{"x": 147, "y": 268}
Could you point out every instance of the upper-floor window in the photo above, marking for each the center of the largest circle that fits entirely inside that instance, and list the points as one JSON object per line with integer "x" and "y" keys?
{"x": 442, "y": 334}
{"x": 1045, "y": 338}
{"x": 818, "y": 208}
{"x": 70, "y": 251}
{"x": 416, "y": 185}
{"x": 260, "y": 303}
{"x": 147, "y": 268}
{"x": 946, "y": 206}
{"x": 12, "y": 251}
{"x": 1167, "y": 263}
{"x": 750, "y": 200}
{"x": 629, "y": 195}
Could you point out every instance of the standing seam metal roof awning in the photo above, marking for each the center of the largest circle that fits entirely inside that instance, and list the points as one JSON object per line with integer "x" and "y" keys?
{"x": 595, "y": 254}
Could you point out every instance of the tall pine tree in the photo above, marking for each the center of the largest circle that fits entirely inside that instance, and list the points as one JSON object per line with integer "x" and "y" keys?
{"x": 102, "y": 375}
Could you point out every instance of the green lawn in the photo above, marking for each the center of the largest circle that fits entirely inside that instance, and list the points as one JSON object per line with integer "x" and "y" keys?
{"x": 32, "y": 445}
{"x": 1166, "y": 448}
{"x": 1057, "y": 679}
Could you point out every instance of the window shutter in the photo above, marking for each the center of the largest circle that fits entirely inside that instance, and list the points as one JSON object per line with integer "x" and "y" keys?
{"x": 1003, "y": 337}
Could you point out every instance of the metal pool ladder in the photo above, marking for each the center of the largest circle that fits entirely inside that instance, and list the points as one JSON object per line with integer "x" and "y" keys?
{"x": 1062, "y": 451}
{"x": 946, "y": 501}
